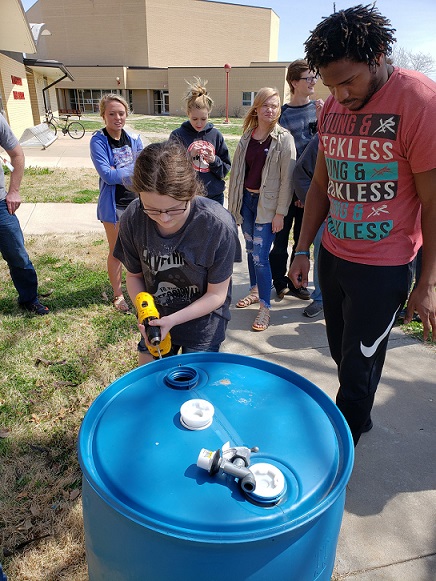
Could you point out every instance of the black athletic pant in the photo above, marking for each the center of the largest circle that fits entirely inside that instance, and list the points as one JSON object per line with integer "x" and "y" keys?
{"x": 360, "y": 306}
{"x": 278, "y": 257}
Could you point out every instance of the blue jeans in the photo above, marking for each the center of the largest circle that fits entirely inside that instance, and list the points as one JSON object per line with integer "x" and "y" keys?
{"x": 258, "y": 241}
{"x": 316, "y": 294}
{"x": 12, "y": 248}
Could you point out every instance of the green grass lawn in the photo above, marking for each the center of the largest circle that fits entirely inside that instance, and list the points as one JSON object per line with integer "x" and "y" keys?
{"x": 164, "y": 123}
{"x": 51, "y": 370}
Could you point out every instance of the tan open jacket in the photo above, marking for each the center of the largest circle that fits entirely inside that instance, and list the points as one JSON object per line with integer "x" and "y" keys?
{"x": 276, "y": 188}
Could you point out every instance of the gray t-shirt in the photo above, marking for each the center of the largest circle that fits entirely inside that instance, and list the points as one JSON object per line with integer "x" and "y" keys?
{"x": 177, "y": 268}
{"x": 8, "y": 141}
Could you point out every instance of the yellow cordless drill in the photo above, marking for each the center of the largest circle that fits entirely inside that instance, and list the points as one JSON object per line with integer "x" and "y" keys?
{"x": 147, "y": 311}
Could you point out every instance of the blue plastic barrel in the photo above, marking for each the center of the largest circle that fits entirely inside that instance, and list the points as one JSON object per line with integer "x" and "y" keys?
{"x": 151, "y": 514}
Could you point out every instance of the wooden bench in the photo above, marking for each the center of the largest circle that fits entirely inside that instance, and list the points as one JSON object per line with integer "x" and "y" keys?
{"x": 71, "y": 112}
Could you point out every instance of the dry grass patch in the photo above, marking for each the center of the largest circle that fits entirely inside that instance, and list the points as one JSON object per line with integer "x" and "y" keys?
{"x": 60, "y": 557}
{"x": 77, "y": 185}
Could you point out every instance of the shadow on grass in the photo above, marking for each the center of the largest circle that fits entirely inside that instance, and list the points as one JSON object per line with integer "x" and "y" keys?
{"x": 60, "y": 300}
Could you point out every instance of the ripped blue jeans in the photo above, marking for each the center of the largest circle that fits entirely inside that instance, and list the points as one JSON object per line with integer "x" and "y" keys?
{"x": 258, "y": 242}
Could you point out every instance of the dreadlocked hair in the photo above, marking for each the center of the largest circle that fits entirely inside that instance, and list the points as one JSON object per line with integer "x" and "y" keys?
{"x": 359, "y": 34}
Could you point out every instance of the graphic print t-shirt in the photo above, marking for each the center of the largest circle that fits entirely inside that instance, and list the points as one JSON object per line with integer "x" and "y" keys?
{"x": 178, "y": 268}
{"x": 123, "y": 156}
{"x": 371, "y": 156}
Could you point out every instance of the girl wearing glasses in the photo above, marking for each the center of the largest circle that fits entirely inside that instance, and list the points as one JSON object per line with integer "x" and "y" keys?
{"x": 180, "y": 247}
{"x": 206, "y": 146}
{"x": 260, "y": 193}
{"x": 113, "y": 152}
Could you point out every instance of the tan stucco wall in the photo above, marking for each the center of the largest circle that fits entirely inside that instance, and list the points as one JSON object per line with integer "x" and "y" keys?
{"x": 241, "y": 79}
{"x": 147, "y": 78}
{"x": 107, "y": 32}
{"x": 18, "y": 111}
{"x": 94, "y": 78}
{"x": 209, "y": 33}
{"x": 157, "y": 33}
{"x": 143, "y": 102}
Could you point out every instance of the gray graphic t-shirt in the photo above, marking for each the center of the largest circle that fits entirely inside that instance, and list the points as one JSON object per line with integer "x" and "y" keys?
{"x": 178, "y": 268}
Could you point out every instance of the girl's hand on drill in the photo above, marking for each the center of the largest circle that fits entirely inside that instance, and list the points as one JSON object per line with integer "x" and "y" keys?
{"x": 143, "y": 333}
{"x": 164, "y": 323}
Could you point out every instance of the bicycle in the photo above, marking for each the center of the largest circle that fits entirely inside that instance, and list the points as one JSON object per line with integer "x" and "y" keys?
{"x": 74, "y": 128}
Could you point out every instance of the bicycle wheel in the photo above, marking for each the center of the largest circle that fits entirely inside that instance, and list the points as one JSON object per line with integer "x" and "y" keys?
{"x": 52, "y": 127}
{"x": 76, "y": 130}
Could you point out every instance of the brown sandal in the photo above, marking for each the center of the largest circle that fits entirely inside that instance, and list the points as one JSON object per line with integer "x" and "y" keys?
{"x": 120, "y": 304}
{"x": 250, "y": 299}
{"x": 261, "y": 322}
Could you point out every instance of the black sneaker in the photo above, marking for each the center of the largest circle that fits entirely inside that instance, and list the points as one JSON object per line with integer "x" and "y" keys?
{"x": 301, "y": 293}
{"x": 35, "y": 307}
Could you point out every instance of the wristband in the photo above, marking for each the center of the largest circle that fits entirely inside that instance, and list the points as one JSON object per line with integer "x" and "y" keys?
{"x": 302, "y": 253}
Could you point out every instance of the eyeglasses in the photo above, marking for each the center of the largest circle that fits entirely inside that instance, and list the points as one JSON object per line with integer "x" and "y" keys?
{"x": 310, "y": 79}
{"x": 170, "y": 212}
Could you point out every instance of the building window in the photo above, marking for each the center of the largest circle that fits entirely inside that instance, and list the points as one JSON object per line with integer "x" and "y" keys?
{"x": 87, "y": 100}
{"x": 248, "y": 98}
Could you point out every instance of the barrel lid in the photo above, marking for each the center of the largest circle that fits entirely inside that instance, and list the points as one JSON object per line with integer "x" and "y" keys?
{"x": 138, "y": 456}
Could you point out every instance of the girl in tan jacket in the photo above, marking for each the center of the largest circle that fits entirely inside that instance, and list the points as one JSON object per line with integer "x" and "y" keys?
{"x": 260, "y": 193}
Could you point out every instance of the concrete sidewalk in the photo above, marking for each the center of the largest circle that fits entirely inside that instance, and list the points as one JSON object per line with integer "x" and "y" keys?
{"x": 388, "y": 531}
{"x": 64, "y": 152}
{"x": 55, "y": 218}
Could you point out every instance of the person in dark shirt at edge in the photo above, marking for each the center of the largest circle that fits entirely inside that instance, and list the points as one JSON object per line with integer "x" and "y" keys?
{"x": 299, "y": 116}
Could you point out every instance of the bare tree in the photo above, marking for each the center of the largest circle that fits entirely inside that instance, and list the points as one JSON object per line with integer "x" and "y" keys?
{"x": 417, "y": 61}
{"x": 422, "y": 62}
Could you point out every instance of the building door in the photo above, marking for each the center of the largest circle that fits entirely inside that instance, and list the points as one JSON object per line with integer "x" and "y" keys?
{"x": 166, "y": 101}
{"x": 161, "y": 102}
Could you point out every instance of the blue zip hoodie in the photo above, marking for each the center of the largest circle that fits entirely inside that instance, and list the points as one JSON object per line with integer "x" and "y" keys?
{"x": 103, "y": 159}
{"x": 211, "y": 175}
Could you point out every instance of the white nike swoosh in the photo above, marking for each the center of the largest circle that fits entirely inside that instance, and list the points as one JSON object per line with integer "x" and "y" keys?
{"x": 369, "y": 351}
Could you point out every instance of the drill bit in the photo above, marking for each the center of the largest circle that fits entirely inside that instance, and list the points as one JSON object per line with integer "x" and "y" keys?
{"x": 158, "y": 350}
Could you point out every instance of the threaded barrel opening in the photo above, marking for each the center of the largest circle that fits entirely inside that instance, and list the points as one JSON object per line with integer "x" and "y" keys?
{"x": 182, "y": 378}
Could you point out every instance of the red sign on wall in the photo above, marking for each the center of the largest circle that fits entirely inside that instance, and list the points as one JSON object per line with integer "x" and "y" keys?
{"x": 16, "y": 80}
{"x": 18, "y": 95}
